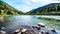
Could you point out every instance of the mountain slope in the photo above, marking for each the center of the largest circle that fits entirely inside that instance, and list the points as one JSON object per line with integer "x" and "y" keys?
{"x": 7, "y": 9}
{"x": 51, "y": 9}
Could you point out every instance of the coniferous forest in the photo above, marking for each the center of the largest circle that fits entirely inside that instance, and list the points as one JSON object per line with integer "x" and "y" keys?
{"x": 51, "y": 9}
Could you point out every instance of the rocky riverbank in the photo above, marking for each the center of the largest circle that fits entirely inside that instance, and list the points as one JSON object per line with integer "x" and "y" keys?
{"x": 39, "y": 29}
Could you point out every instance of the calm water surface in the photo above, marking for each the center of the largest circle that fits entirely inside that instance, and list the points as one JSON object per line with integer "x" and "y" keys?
{"x": 14, "y": 22}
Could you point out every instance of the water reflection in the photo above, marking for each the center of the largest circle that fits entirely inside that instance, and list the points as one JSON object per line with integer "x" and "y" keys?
{"x": 13, "y": 22}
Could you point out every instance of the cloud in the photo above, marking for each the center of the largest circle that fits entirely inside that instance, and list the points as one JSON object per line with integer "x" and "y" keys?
{"x": 55, "y": 2}
{"x": 45, "y": 1}
{"x": 23, "y": 7}
{"x": 32, "y": 4}
{"x": 35, "y": 0}
{"x": 28, "y": 3}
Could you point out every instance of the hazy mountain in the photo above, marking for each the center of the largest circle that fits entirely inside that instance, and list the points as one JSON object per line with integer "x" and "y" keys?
{"x": 50, "y": 9}
{"x": 7, "y": 9}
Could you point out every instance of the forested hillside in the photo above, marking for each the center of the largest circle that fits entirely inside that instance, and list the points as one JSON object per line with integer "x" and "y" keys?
{"x": 51, "y": 9}
{"x": 6, "y": 9}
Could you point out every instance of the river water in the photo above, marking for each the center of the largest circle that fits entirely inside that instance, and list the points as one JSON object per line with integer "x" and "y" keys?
{"x": 13, "y": 22}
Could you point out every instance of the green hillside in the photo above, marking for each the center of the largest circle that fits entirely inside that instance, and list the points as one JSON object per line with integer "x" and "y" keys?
{"x": 6, "y": 9}
{"x": 51, "y": 9}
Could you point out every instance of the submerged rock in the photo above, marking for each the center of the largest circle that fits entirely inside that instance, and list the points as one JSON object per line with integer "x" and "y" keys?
{"x": 3, "y": 28}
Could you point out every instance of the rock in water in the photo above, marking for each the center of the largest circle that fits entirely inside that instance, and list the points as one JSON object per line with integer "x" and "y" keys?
{"x": 41, "y": 24}
{"x": 2, "y": 18}
{"x": 17, "y": 30}
{"x": 24, "y": 30}
{"x": 2, "y": 32}
{"x": 3, "y": 28}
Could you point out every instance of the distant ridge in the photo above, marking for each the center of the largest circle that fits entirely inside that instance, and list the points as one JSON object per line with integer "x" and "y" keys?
{"x": 7, "y": 9}
{"x": 50, "y": 9}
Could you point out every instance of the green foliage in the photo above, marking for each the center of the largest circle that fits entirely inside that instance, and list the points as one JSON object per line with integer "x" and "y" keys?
{"x": 51, "y": 9}
{"x": 6, "y": 9}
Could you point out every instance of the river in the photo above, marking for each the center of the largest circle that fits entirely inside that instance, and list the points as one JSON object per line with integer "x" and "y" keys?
{"x": 13, "y": 22}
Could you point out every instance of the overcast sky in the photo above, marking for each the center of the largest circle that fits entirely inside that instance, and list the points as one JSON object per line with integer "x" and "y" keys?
{"x": 27, "y": 5}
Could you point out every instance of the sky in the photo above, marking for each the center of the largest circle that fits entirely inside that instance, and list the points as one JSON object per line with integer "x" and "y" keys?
{"x": 27, "y": 5}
